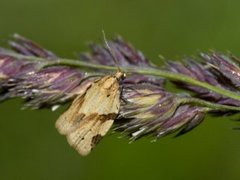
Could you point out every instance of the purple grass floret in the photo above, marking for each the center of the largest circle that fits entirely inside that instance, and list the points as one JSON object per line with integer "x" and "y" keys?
{"x": 211, "y": 71}
{"x": 148, "y": 106}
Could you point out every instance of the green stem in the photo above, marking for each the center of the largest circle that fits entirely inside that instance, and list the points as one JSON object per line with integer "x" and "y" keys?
{"x": 141, "y": 70}
{"x": 211, "y": 106}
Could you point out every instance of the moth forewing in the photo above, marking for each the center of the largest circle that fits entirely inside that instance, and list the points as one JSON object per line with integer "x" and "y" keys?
{"x": 89, "y": 134}
{"x": 92, "y": 114}
{"x": 66, "y": 122}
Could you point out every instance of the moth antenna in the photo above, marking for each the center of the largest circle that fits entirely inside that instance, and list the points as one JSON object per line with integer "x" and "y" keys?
{"x": 110, "y": 51}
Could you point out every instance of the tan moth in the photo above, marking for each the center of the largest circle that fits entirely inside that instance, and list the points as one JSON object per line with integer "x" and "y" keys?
{"x": 92, "y": 114}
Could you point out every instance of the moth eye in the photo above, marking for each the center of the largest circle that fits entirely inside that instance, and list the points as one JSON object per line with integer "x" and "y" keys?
{"x": 108, "y": 95}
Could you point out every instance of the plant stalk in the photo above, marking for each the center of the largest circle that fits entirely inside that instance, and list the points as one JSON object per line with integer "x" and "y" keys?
{"x": 147, "y": 71}
{"x": 211, "y": 106}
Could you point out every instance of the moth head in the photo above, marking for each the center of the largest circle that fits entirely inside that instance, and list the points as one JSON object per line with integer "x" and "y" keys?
{"x": 120, "y": 75}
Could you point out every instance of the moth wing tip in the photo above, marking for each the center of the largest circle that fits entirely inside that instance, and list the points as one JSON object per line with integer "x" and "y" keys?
{"x": 81, "y": 149}
{"x": 60, "y": 127}
{"x": 83, "y": 152}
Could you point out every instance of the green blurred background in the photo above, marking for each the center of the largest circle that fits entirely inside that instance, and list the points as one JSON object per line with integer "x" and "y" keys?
{"x": 31, "y": 148}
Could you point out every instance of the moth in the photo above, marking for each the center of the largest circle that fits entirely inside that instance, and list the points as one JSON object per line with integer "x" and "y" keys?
{"x": 92, "y": 114}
